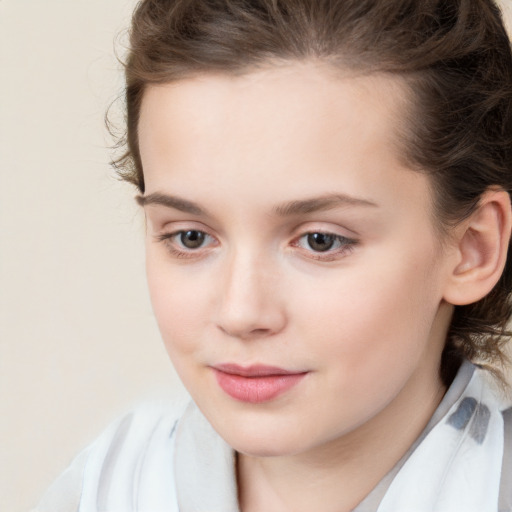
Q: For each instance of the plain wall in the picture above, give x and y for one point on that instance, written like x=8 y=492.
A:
x=78 y=341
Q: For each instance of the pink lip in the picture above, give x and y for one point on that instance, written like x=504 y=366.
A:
x=257 y=383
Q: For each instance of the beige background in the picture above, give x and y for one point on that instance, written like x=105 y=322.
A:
x=78 y=342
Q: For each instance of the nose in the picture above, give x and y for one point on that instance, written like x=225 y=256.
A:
x=251 y=305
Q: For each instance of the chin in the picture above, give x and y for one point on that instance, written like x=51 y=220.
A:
x=265 y=442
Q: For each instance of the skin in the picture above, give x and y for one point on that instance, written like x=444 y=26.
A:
x=366 y=319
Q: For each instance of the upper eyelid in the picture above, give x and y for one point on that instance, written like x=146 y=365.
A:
x=324 y=232
x=181 y=226
x=307 y=226
x=350 y=238
x=326 y=227
x=328 y=233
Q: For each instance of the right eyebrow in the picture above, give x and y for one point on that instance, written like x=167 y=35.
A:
x=168 y=201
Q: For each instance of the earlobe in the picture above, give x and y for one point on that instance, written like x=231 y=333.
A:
x=482 y=247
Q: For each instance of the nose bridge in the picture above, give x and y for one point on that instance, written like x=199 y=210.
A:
x=249 y=299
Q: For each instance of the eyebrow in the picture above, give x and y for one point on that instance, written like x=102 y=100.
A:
x=297 y=207
x=177 y=203
x=322 y=203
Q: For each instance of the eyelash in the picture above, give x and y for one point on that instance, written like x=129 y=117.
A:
x=346 y=245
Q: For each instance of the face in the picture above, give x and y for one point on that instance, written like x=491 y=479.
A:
x=293 y=265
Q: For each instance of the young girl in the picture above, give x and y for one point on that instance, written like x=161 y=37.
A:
x=326 y=185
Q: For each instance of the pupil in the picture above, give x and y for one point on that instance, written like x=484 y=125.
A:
x=320 y=241
x=192 y=239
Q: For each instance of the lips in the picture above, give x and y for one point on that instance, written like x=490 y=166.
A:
x=256 y=383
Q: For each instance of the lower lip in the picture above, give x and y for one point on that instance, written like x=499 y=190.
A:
x=256 y=390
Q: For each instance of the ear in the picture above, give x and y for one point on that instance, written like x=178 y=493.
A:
x=481 y=250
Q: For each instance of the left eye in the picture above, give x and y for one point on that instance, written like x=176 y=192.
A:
x=323 y=242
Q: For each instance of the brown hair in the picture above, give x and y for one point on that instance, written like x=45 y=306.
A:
x=454 y=55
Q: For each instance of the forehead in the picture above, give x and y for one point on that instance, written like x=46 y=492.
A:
x=302 y=128
x=303 y=100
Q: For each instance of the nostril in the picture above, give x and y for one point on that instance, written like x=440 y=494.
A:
x=245 y=333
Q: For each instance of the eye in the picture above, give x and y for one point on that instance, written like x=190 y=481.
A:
x=192 y=239
x=187 y=243
x=320 y=242
x=325 y=245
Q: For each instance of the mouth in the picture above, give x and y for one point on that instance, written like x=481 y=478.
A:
x=257 y=383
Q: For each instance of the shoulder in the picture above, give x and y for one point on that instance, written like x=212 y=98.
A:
x=105 y=475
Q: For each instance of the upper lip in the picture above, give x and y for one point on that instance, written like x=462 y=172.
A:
x=254 y=370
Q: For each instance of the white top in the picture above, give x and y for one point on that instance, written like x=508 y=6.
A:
x=160 y=459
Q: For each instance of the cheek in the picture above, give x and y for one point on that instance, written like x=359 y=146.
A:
x=178 y=304
x=372 y=318
x=368 y=342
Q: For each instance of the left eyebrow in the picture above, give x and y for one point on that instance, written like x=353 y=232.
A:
x=315 y=204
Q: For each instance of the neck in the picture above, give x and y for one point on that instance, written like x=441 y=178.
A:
x=341 y=473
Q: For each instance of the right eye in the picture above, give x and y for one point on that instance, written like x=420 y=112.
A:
x=192 y=239
x=185 y=242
